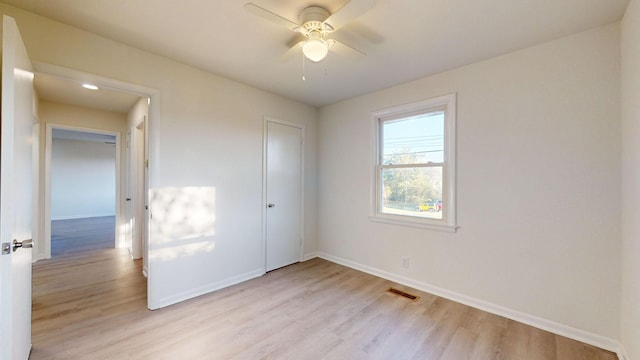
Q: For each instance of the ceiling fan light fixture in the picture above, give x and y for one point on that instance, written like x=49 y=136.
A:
x=315 y=49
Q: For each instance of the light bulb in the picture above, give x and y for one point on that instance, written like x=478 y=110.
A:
x=315 y=49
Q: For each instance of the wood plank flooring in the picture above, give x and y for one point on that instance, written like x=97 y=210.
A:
x=75 y=235
x=92 y=305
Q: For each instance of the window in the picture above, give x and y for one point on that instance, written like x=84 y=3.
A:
x=415 y=164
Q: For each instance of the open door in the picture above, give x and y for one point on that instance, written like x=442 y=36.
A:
x=145 y=197
x=137 y=185
x=15 y=195
x=128 y=212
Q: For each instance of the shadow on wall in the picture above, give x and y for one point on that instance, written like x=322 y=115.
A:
x=183 y=223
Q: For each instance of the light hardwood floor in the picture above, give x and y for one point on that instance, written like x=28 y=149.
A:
x=92 y=305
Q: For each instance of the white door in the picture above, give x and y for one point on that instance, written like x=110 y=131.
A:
x=128 y=215
x=283 y=194
x=15 y=194
x=145 y=196
x=128 y=236
x=140 y=169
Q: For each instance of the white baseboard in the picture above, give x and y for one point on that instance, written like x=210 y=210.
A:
x=35 y=257
x=309 y=256
x=535 y=321
x=174 y=299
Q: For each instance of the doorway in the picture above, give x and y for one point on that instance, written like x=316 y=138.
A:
x=284 y=202
x=83 y=189
x=84 y=185
x=68 y=103
x=111 y=110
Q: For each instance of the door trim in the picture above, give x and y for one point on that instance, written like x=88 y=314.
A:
x=46 y=239
x=263 y=205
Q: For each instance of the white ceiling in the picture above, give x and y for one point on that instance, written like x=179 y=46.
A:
x=404 y=39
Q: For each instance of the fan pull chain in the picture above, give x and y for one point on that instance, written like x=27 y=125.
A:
x=303 y=69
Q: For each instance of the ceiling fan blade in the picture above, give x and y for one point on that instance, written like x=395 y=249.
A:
x=268 y=15
x=349 y=11
x=346 y=50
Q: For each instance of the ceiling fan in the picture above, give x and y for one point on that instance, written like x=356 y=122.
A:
x=315 y=25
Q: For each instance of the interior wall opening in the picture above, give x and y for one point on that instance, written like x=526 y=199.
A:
x=102 y=203
x=83 y=191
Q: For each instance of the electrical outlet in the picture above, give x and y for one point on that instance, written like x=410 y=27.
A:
x=405 y=262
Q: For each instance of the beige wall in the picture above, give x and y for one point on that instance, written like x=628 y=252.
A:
x=206 y=135
x=83 y=179
x=69 y=115
x=630 y=317
x=538 y=165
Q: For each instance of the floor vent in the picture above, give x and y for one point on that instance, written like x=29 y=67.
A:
x=403 y=294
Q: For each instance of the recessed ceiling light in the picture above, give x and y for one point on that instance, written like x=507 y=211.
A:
x=89 y=86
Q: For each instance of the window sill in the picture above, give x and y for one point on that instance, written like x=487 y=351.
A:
x=413 y=223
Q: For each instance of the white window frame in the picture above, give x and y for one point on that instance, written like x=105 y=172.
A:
x=446 y=103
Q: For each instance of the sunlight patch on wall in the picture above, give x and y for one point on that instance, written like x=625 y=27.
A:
x=122 y=241
x=183 y=221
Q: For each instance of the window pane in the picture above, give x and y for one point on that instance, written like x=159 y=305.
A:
x=414 y=139
x=412 y=191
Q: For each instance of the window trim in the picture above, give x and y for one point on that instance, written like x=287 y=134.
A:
x=448 y=221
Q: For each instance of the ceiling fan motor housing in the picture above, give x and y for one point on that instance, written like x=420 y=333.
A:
x=312 y=20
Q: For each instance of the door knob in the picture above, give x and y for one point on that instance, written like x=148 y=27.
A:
x=270 y=205
x=22 y=244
